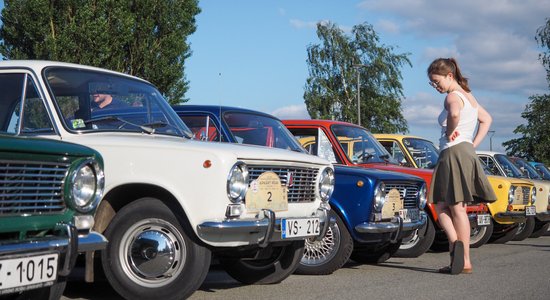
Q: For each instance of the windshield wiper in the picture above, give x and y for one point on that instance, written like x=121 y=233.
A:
x=145 y=128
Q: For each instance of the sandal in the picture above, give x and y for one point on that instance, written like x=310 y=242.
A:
x=457 y=258
x=467 y=271
x=445 y=270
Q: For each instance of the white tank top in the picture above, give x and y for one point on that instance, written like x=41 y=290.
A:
x=466 y=125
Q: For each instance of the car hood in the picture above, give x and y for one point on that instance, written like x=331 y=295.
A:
x=374 y=173
x=157 y=142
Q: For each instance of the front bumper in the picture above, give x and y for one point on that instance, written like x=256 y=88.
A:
x=261 y=231
x=68 y=243
x=396 y=225
x=511 y=216
x=543 y=216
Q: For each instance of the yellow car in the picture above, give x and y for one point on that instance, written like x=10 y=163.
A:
x=513 y=194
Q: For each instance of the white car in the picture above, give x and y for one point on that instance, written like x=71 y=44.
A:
x=170 y=201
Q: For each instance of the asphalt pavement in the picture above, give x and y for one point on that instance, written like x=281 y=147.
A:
x=515 y=270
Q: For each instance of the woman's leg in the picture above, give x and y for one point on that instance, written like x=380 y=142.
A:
x=446 y=222
x=462 y=227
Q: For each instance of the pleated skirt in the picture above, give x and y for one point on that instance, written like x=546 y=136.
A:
x=459 y=177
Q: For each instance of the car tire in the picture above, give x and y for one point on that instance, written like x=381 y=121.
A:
x=419 y=242
x=480 y=235
x=329 y=254
x=525 y=229
x=375 y=255
x=540 y=229
x=502 y=236
x=135 y=264
x=280 y=263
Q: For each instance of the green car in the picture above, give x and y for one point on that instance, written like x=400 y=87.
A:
x=49 y=191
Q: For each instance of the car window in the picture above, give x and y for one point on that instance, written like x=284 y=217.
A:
x=33 y=117
x=396 y=152
x=316 y=142
x=203 y=126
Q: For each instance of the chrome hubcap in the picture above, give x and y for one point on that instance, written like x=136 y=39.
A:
x=152 y=252
x=477 y=233
x=319 y=252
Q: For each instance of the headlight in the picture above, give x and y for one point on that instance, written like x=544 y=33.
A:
x=511 y=194
x=379 y=196
x=326 y=184
x=237 y=182
x=533 y=195
x=86 y=186
x=422 y=197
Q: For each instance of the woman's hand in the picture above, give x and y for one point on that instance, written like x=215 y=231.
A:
x=453 y=136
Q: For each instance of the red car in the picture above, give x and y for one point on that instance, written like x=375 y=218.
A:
x=354 y=145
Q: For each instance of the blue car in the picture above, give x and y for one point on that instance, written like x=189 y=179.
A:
x=372 y=210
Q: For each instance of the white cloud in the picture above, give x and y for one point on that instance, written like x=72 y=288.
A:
x=292 y=112
x=388 y=26
x=299 y=24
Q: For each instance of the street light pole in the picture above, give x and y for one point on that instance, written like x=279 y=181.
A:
x=357 y=66
x=492 y=132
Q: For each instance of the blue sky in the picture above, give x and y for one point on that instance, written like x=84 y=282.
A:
x=253 y=54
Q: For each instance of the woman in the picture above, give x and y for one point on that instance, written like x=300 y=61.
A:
x=458 y=176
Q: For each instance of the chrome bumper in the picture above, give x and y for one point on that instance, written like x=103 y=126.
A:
x=543 y=216
x=265 y=226
x=511 y=216
x=396 y=225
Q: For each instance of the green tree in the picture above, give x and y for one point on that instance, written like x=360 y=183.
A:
x=331 y=88
x=145 y=38
x=534 y=143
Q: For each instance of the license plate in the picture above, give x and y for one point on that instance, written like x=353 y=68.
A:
x=483 y=220
x=22 y=273
x=530 y=211
x=293 y=228
x=409 y=215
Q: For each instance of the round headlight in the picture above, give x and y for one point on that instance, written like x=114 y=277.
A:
x=511 y=194
x=87 y=183
x=237 y=182
x=533 y=195
x=326 y=184
x=422 y=196
x=379 y=196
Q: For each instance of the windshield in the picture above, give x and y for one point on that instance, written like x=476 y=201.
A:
x=91 y=101
x=508 y=166
x=424 y=153
x=527 y=168
x=360 y=146
x=543 y=171
x=261 y=130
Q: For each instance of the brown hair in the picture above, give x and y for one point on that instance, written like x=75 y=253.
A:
x=444 y=66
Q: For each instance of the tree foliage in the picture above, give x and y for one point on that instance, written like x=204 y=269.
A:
x=331 y=88
x=534 y=144
x=145 y=38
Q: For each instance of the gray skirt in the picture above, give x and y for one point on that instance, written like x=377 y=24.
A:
x=459 y=177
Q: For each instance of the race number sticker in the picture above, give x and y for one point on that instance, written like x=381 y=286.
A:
x=267 y=192
x=393 y=204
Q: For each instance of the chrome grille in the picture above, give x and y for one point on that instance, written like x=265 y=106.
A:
x=31 y=187
x=302 y=187
x=407 y=191
x=526 y=194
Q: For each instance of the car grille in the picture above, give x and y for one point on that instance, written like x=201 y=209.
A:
x=302 y=187
x=526 y=194
x=407 y=191
x=31 y=187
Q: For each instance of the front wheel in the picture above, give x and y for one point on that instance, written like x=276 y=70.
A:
x=375 y=255
x=329 y=254
x=277 y=265
x=525 y=229
x=419 y=242
x=150 y=256
x=540 y=229
x=480 y=235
